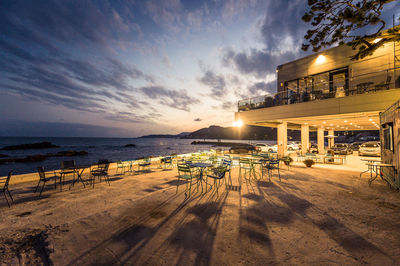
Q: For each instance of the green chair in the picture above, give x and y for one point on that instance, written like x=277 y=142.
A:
x=218 y=174
x=120 y=165
x=247 y=167
x=144 y=164
x=4 y=181
x=269 y=166
x=185 y=172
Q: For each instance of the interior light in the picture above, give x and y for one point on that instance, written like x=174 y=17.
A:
x=351 y=123
x=331 y=124
x=324 y=122
x=321 y=59
x=345 y=121
x=370 y=119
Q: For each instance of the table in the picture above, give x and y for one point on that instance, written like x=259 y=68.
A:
x=201 y=167
x=371 y=160
x=377 y=167
x=79 y=169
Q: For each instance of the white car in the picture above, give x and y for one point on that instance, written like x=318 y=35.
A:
x=293 y=146
x=263 y=147
x=371 y=148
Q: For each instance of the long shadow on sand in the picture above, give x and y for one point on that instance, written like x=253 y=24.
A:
x=133 y=238
x=337 y=231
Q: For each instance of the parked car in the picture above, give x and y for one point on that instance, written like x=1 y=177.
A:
x=292 y=146
x=370 y=148
x=342 y=148
x=263 y=147
x=243 y=148
x=356 y=145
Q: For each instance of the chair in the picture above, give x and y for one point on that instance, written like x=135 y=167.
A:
x=101 y=170
x=145 y=163
x=218 y=174
x=44 y=179
x=246 y=165
x=273 y=164
x=120 y=165
x=166 y=162
x=185 y=172
x=384 y=85
x=4 y=181
x=228 y=164
x=67 y=167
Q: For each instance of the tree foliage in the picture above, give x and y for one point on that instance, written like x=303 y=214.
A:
x=339 y=22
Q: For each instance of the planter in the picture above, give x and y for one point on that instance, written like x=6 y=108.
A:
x=309 y=162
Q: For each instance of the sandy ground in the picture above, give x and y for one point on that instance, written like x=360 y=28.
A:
x=313 y=216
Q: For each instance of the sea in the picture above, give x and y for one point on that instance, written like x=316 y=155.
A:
x=112 y=149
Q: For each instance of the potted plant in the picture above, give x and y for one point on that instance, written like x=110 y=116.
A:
x=309 y=162
x=287 y=160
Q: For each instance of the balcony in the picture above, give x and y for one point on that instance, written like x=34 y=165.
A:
x=365 y=84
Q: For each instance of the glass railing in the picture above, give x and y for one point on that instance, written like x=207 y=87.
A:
x=370 y=83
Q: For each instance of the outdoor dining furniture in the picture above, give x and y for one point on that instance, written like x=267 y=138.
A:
x=144 y=164
x=100 y=170
x=4 y=181
x=333 y=158
x=218 y=174
x=67 y=168
x=363 y=87
x=200 y=170
x=185 y=172
x=121 y=165
x=384 y=85
x=166 y=162
x=376 y=168
x=368 y=162
x=269 y=166
x=43 y=179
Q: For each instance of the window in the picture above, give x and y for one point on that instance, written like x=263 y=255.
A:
x=388 y=136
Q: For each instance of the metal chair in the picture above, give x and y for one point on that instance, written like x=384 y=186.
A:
x=273 y=164
x=143 y=164
x=4 y=181
x=101 y=170
x=67 y=168
x=185 y=172
x=219 y=174
x=247 y=167
x=120 y=165
x=44 y=179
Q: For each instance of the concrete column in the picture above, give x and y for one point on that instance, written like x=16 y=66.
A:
x=282 y=138
x=320 y=140
x=331 y=141
x=305 y=138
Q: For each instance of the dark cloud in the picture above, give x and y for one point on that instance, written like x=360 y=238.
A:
x=262 y=87
x=131 y=117
x=281 y=32
x=50 y=129
x=197 y=120
x=175 y=99
x=229 y=106
x=215 y=82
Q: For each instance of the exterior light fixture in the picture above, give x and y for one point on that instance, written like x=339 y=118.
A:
x=351 y=123
x=377 y=40
x=320 y=59
x=305 y=123
x=237 y=123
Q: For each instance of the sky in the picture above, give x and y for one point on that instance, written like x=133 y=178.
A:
x=130 y=68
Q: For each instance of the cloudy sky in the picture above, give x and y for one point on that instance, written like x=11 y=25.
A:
x=128 y=68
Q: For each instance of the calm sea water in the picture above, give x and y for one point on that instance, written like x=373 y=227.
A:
x=98 y=148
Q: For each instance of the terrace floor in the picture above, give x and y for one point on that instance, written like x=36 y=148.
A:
x=313 y=216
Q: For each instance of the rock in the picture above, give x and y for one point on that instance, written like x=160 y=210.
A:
x=130 y=145
x=40 y=145
x=70 y=153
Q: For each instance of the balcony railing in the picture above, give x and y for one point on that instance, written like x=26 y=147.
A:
x=361 y=85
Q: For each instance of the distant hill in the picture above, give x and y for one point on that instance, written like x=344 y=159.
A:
x=180 y=135
x=217 y=132
x=259 y=133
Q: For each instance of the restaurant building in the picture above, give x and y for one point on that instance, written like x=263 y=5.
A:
x=327 y=91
